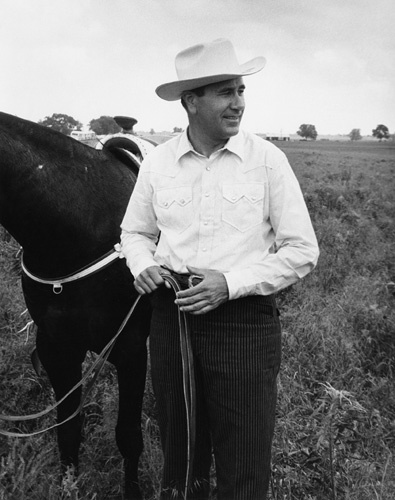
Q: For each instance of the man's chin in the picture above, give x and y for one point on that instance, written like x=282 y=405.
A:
x=232 y=128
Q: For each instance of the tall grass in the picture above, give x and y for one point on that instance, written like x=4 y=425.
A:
x=335 y=429
x=335 y=434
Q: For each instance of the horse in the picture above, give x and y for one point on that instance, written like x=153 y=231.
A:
x=63 y=202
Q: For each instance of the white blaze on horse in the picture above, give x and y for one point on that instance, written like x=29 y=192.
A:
x=63 y=201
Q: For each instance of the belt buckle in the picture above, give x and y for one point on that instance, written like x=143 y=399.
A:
x=192 y=277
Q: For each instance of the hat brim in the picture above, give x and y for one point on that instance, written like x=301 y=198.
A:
x=172 y=91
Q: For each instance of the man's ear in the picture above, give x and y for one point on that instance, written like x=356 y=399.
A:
x=190 y=101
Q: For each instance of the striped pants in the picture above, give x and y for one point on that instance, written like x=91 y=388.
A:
x=237 y=354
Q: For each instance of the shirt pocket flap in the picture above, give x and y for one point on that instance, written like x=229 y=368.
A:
x=235 y=192
x=182 y=196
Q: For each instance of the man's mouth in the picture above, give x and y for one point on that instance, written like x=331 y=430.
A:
x=233 y=118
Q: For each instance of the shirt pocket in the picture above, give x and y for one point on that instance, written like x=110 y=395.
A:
x=174 y=207
x=242 y=205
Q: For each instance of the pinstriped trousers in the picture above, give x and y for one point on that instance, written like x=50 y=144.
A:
x=237 y=355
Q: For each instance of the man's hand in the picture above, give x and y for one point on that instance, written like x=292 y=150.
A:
x=207 y=295
x=150 y=279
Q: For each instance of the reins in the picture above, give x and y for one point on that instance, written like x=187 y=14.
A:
x=94 y=370
x=96 y=367
x=188 y=379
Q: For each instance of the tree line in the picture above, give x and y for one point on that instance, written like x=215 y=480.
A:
x=308 y=131
x=67 y=124
x=107 y=125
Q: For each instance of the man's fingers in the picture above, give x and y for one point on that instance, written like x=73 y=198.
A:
x=148 y=280
x=143 y=287
x=196 y=307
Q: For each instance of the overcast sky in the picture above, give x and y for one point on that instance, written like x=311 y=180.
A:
x=329 y=62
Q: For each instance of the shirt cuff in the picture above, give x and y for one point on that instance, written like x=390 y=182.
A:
x=138 y=268
x=236 y=288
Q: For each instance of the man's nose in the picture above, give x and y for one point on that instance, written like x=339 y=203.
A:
x=238 y=102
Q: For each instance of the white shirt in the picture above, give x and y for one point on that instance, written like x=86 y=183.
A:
x=240 y=212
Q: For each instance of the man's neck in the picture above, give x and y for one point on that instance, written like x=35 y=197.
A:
x=203 y=144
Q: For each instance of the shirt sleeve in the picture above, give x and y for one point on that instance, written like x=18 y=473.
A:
x=140 y=233
x=295 y=250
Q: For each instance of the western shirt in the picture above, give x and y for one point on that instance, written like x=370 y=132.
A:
x=240 y=211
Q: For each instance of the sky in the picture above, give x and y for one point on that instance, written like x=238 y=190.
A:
x=330 y=63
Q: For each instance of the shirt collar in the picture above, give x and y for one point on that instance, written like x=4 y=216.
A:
x=184 y=146
x=234 y=145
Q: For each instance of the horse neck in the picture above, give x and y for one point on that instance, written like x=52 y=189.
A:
x=63 y=226
x=61 y=200
x=56 y=249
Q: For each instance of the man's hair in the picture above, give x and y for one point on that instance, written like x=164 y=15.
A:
x=199 y=92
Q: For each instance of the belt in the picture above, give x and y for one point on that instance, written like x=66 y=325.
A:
x=186 y=280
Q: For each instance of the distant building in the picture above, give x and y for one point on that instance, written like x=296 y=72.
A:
x=277 y=137
x=82 y=136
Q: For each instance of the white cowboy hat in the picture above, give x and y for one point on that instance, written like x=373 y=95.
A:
x=207 y=63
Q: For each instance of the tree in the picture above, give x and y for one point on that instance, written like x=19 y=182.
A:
x=62 y=123
x=104 y=125
x=355 y=134
x=307 y=131
x=381 y=132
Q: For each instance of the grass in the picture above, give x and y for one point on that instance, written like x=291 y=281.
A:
x=335 y=435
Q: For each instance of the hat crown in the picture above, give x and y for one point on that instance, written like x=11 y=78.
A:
x=206 y=59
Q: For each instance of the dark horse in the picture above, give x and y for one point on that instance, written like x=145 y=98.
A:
x=63 y=202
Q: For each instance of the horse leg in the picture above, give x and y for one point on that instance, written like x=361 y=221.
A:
x=131 y=366
x=64 y=371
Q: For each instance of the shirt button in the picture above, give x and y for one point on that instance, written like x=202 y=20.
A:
x=204 y=249
x=165 y=203
x=233 y=198
x=208 y=168
x=205 y=223
x=182 y=202
x=206 y=195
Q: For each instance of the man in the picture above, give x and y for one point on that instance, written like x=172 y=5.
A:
x=224 y=205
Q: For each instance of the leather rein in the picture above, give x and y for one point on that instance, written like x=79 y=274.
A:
x=90 y=376
x=94 y=371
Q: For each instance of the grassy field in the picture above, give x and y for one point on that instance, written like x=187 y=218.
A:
x=335 y=436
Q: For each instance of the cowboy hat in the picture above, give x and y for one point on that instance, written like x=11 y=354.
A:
x=204 y=64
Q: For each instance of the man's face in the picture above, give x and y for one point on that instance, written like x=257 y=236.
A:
x=220 y=109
